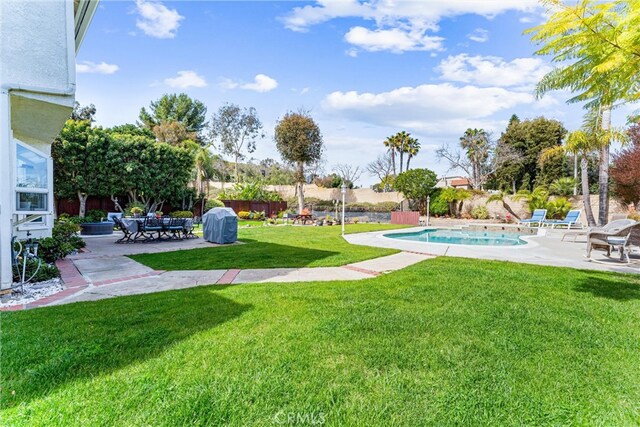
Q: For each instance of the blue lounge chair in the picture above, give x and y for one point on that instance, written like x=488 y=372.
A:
x=571 y=220
x=537 y=218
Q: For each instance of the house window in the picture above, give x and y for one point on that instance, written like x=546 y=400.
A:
x=33 y=172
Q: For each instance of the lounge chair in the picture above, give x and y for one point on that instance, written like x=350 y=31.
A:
x=537 y=217
x=612 y=227
x=571 y=220
x=598 y=239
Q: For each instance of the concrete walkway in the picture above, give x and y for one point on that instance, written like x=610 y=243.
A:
x=103 y=271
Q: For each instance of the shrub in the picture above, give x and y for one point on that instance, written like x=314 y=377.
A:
x=438 y=205
x=250 y=190
x=634 y=216
x=182 y=214
x=213 y=203
x=134 y=207
x=480 y=212
x=51 y=249
x=243 y=215
x=558 y=208
x=95 y=215
x=45 y=272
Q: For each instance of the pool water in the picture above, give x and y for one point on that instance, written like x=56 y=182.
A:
x=462 y=237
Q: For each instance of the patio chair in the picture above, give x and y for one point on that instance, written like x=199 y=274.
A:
x=571 y=220
x=129 y=234
x=599 y=239
x=611 y=227
x=176 y=228
x=149 y=227
x=537 y=217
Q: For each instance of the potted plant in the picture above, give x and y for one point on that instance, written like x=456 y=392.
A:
x=136 y=211
x=159 y=214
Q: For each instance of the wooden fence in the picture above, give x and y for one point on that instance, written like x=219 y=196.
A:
x=269 y=208
x=410 y=217
x=72 y=206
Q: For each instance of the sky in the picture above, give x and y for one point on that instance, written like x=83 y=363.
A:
x=364 y=70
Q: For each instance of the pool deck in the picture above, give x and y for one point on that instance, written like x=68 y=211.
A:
x=546 y=248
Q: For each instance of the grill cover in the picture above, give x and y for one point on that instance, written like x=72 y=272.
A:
x=220 y=225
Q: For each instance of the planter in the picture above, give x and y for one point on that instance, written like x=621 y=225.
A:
x=96 y=228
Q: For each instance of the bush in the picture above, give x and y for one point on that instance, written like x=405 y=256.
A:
x=438 y=205
x=480 y=212
x=95 y=215
x=63 y=241
x=213 y=203
x=45 y=272
x=558 y=208
x=243 y=215
x=134 y=207
x=182 y=214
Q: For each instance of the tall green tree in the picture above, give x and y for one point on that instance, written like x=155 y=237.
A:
x=179 y=108
x=525 y=140
x=299 y=141
x=417 y=185
x=237 y=130
x=79 y=154
x=595 y=45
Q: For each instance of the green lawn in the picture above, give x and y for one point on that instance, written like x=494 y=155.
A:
x=273 y=247
x=445 y=342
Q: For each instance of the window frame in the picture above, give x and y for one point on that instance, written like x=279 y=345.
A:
x=47 y=191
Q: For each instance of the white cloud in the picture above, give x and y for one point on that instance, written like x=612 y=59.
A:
x=92 y=67
x=186 y=79
x=394 y=40
x=429 y=107
x=526 y=20
x=492 y=70
x=479 y=35
x=156 y=20
x=261 y=83
x=398 y=25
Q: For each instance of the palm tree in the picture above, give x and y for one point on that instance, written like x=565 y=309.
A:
x=476 y=144
x=589 y=139
x=413 y=147
x=391 y=144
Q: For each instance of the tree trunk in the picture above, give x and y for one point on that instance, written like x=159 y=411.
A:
x=408 y=161
x=459 y=213
x=82 y=197
x=586 y=199
x=506 y=206
x=300 y=185
x=513 y=186
x=401 y=160
x=393 y=161
x=236 y=168
x=116 y=204
x=603 y=175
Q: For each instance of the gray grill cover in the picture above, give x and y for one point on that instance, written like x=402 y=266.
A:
x=220 y=225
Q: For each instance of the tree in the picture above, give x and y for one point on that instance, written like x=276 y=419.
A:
x=173 y=132
x=382 y=167
x=476 y=159
x=79 y=154
x=416 y=185
x=562 y=187
x=392 y=145
x=299 y=141
x=596 y=47
x=234 y=127
x=83 y=113
x=400 y=144
x=348 y=174
x=180 y=108
x=411 y=148
x=524 y=141
x=625 y=170
x=455 y=198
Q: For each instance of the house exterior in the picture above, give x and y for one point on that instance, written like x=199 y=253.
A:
x=38 y=44
x=454 y=182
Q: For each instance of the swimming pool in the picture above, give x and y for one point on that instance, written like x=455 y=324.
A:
x=462 y=237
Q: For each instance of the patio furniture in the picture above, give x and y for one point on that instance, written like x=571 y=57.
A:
x=176 y=226
x=616 y=217
x=537 y=217
x=128 y=230
x=608 y=228
x=303 y=218
x=149 y=226
x=599 y=239
x=220 y=225
x=571 y=220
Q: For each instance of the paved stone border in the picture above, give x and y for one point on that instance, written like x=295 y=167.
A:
x=76 y=284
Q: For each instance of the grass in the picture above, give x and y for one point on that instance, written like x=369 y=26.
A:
x=444 y=342
x=273 y=247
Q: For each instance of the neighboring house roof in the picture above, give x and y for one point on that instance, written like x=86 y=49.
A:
x=459 y=182
x=83 y=11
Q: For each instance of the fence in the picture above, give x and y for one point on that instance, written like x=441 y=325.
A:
x=269 y=208
x=410 y=218
x=72 y=206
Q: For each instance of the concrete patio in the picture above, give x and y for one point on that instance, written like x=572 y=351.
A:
x=547 y=248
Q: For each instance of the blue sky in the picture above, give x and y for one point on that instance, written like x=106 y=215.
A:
x=364 y=70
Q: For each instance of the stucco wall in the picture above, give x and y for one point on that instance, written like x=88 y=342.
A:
x=361 y=195
x=34 y=41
